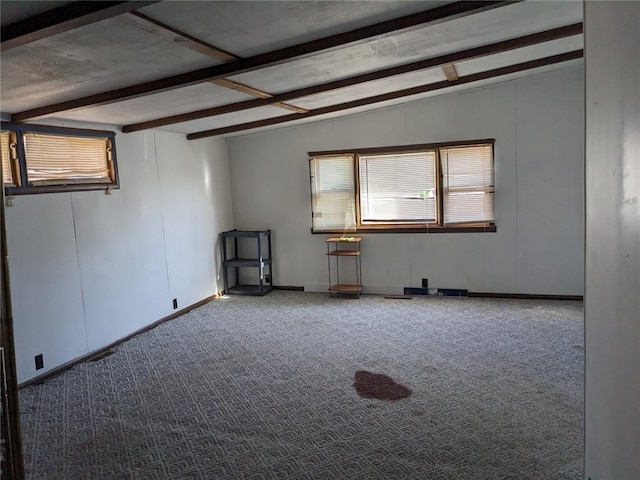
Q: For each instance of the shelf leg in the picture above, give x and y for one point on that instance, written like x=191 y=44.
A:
x=225 y=273
x=329 y=267
x=359 y=269
x=270 y=262
x=261 y=272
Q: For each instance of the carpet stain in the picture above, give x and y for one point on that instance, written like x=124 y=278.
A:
x=379 y=386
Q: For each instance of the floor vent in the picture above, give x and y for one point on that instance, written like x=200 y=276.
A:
x=416 y=291
x=443 y=292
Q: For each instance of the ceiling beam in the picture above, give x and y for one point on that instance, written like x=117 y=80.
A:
x=60 y=20
x=255 y=92
x=434 y=16
x=450 y=72
x=477 y=52
x=520 y=67
x=152 y=25
x=241 y=87
x=288 y=106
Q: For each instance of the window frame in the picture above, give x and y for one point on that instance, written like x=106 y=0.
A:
x=22 y=186
x=12 y=161
x=436 y=227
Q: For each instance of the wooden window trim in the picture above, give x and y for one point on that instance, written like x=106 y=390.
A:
x=439 y=190
x=490 y=228
x=12 y=159
x=402 y=148
x=52 y=129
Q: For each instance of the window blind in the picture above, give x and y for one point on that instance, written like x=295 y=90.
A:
x=7 y=177
x=468 y=184
x=59 y=159
x=333 y=192
x=398 y=188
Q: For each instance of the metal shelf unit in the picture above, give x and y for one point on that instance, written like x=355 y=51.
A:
x=344 y=247
x=261 y=262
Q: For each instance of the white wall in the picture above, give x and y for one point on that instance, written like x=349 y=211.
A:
x=538 y=124
x=88 y=269
x=612 y=291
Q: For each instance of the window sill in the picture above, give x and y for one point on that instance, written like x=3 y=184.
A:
x=432 y=229
x=71 y=187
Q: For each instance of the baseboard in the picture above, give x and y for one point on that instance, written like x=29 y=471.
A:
x=316 y=287
x=382 y=290
x=94 y=353
x=285 y=287
x=525 y=296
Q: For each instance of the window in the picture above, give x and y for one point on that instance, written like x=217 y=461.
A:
x=398 y=188
x=467 y=178
x=436 y=187
x=40 y=159
x=334 y=198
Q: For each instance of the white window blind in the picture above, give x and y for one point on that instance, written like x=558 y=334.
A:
x=7 y=177
x=333 y=192
x=468 y=184
x=60 y=159
x=398 y=188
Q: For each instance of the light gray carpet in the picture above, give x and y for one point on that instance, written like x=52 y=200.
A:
x=262 y=387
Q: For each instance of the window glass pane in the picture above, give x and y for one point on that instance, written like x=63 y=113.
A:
x=6 y=158
x=468 y=183
x=333 y=193
x=61 y=159
x=398 y=188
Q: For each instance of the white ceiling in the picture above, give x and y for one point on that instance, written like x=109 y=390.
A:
x=115 y=53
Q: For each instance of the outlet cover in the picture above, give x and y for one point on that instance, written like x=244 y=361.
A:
x=39 y=362
x=175 y=303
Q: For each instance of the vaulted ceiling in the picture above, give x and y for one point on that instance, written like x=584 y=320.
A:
x=207 y=68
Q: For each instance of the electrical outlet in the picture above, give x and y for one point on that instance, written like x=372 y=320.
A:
x=175 y=303
x=267 y=278
x=425 y=283
x=39 y=362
